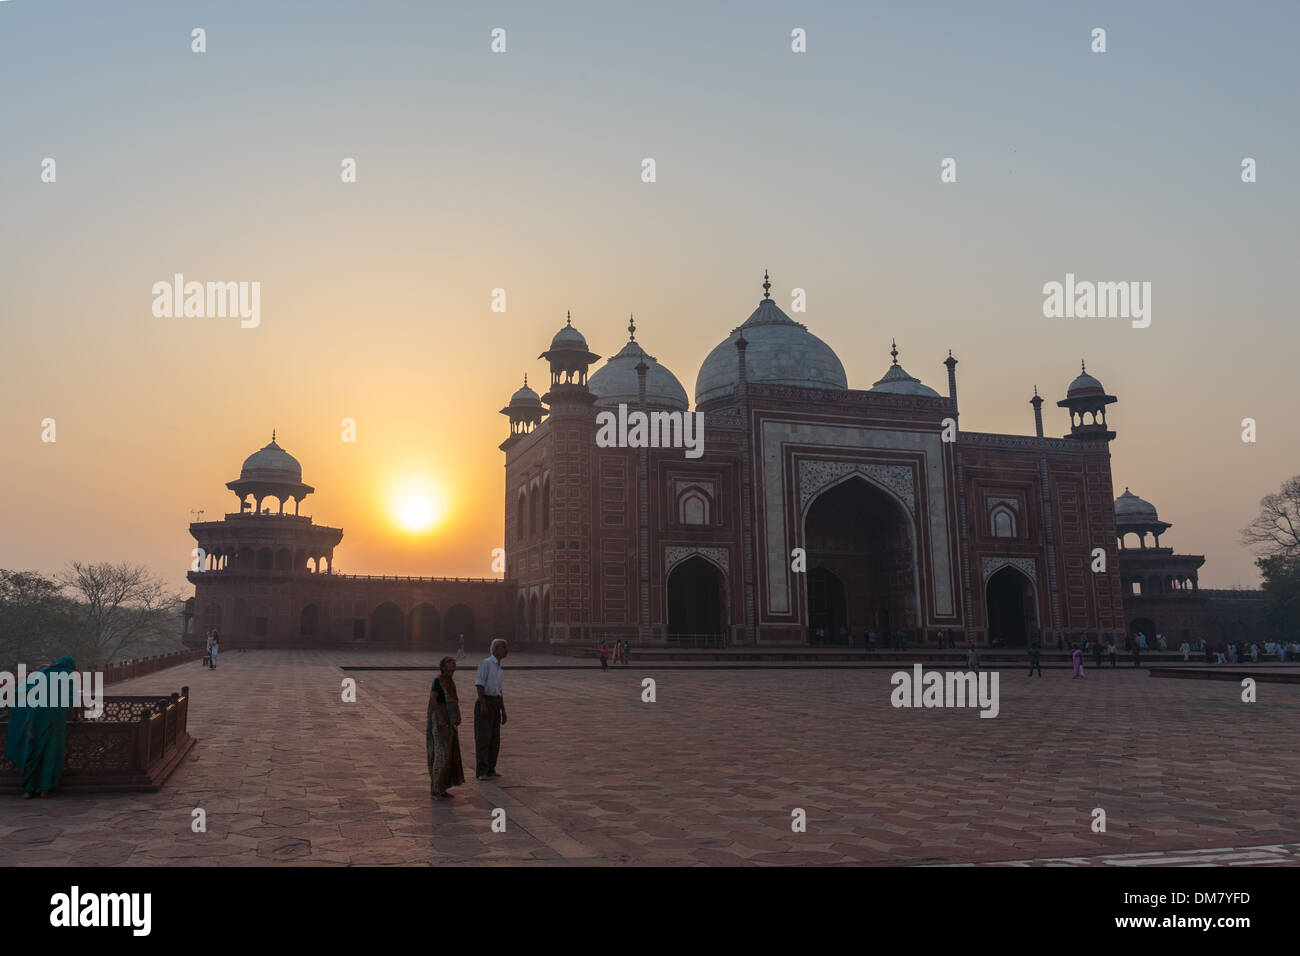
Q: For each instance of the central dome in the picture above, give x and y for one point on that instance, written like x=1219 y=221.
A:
x=780 y=352
x=616 y=381
x=271 y=463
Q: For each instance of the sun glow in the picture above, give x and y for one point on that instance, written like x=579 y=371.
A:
x=417 y=507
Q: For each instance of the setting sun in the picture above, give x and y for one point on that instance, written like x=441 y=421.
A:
x=417 y=508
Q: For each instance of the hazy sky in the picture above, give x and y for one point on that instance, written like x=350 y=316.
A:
x=522 y=171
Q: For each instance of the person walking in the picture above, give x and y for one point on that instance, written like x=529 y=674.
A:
x=973 y=659
x=1034 y=664
x=604 y=655
x=1137 y=654
x=212 y=651
x=460 y=646
x=1096 y=654
x=627 y=653
x=489 y=711
x=207 y=650
x=441 y=736
x=1113 y=651
x=1076 y=656
x=1254 y=652
x=1186 y=649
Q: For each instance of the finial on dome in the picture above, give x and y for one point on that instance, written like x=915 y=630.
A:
x=525 y=379
x=272 y=434
x=894 y=350
x=1083 y=366
x=1035 y=390
x=767 y=284
x=631 y=328
x=568 y=318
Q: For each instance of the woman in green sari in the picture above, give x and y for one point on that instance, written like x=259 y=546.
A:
x=441 y=738
x=37 y=735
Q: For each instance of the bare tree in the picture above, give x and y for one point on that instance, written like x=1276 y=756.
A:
x=119 y=605
x=36 y=619
x=1275 y=532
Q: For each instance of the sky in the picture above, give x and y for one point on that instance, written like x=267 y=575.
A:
x=522 y=171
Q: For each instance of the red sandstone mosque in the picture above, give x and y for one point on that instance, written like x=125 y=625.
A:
x=815 y=513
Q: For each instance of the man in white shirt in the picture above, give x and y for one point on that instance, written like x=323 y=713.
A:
x=489 y=711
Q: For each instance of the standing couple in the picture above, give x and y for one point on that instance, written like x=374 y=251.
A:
x=442 y=740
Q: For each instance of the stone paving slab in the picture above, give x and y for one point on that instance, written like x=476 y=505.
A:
x=707 y=775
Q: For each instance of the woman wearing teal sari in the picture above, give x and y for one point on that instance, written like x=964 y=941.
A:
x=37 y=735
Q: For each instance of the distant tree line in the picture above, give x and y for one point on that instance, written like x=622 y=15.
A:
x=1275 y=534
x=98 y=614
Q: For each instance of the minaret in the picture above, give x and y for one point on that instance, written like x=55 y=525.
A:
x=642 y=503
x=1037 y=402
x=952 y=379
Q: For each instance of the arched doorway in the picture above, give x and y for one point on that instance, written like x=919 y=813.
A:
x=387 y=623
x=826 y=615
x=459 y=620
x=422 y=627
x=695 y=602
x=1009 y=603
x=860 y=550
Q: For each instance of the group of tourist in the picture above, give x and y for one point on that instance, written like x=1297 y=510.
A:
x=622 y=652
x=896 y=641
x=441 y=734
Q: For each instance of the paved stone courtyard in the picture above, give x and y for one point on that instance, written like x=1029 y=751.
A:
x=708 y=774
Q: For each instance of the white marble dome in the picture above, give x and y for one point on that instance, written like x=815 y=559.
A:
x=896 y=381
x=525 y=397
x=781 y=351
x=1129 y=507
x=1083 y=386
x=271 y=463
x=616 y=382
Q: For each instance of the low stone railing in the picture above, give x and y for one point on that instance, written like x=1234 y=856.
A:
x=147 y=665
x=133 y=745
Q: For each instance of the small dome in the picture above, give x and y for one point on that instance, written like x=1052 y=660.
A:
x=271 y=463
x=897 y=382
x=1129 y=507
x=616 y=381
x=1085 y=385
x=780 y=351
x=525 y=397
x=569 y=337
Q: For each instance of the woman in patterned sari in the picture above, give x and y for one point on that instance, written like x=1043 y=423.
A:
x=441 y=738
x=37 y=735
